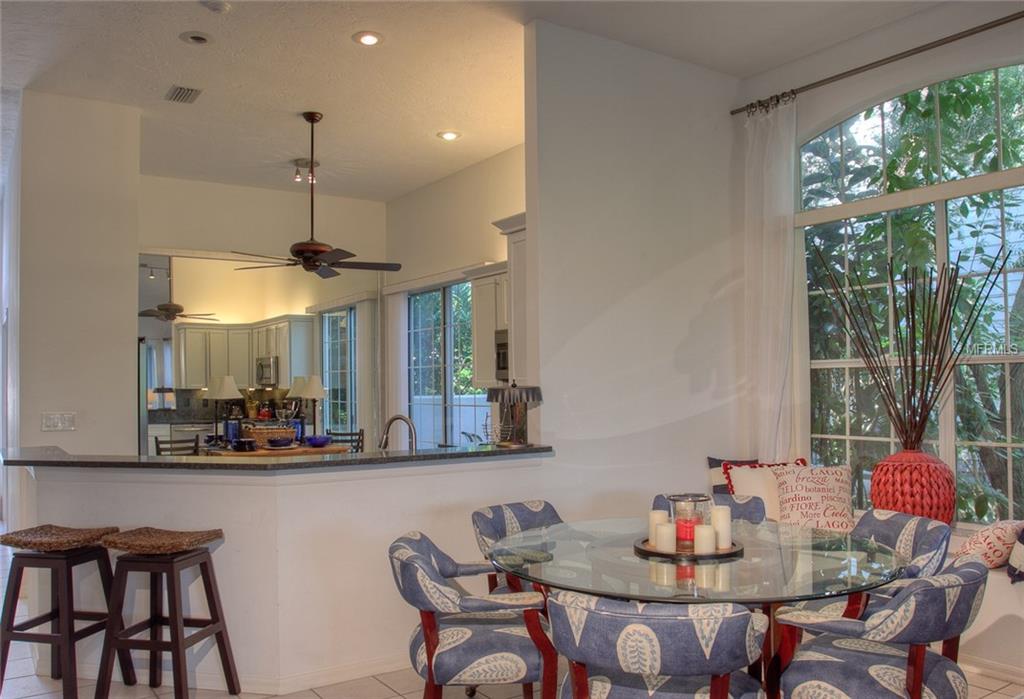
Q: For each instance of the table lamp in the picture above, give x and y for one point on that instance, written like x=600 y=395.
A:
x=221 y=388
x=513 y=402
x=313 y=389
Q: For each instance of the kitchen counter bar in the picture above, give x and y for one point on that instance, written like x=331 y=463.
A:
x=57 y=457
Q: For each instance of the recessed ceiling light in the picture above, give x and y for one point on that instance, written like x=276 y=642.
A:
x=449 y=135
x=195 y=38
x=367 y=38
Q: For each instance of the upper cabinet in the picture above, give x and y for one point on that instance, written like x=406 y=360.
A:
x=489 y=315
x=203 y=353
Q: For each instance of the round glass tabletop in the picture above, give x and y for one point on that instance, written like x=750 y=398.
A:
x=779 y=563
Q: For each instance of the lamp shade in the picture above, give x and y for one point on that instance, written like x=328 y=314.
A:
x=313 y=388
x=512 y=395
x=223 y=388
x=298 y=385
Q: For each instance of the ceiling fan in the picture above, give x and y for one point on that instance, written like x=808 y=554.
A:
x=170 y=311
x=313 y=256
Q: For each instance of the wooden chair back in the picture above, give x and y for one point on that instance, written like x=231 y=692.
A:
x=177 y=447
x=354 y=440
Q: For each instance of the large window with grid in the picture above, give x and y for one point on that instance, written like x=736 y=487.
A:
x=958 y=130
x=338 y=330
x=443 y=403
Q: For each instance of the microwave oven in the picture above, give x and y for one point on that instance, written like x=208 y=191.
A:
x=266 y=371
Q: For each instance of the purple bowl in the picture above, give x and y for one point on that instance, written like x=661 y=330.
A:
x=279 y=441
x=318 y=440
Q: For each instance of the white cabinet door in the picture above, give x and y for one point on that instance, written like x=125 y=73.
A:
x=194 y=359
x=240 y=359
x=282 y=349
x=485 y=317
x=501 y=303
x=300 y=349
x=217 y=354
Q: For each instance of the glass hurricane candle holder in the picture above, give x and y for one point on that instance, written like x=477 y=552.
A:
x=689 y=510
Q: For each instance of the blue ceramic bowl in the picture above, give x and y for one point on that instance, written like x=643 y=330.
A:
x=279 y=441
x=318 y=440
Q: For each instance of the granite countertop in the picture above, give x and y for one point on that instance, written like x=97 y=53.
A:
x=57 y=457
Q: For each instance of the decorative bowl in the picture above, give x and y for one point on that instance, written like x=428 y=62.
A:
x=279 y=441
x=318 y=440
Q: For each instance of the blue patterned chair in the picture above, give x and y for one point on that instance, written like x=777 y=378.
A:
x=632 y=650
x=748 y=507
x=466 y=639
x=887 y=653
x=920 y=540
x=498 y=521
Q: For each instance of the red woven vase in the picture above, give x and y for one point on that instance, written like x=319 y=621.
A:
x=914 y=482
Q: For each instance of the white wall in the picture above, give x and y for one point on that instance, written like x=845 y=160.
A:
x=78 y=271
x=638 y=278
x=447 y=224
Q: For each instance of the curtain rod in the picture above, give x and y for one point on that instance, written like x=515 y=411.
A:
x=881 y=62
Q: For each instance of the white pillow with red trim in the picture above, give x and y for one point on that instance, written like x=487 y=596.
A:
x=993 y=543
x=757 y=480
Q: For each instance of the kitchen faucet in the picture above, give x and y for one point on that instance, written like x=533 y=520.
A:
x=387 y=428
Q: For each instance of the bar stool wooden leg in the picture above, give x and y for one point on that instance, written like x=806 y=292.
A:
x=54 y=625
x=176 y=623
x=10 y=610
x=156 y=610
x=124 y=656
x=115 y=623
x=227 y=658
x=64 y=580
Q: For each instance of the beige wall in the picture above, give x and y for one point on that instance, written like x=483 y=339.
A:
x=79 y=272
x=447 y=224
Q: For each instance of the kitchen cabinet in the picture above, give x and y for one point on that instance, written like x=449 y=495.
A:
x=489 y=314
x=216 y=354
x=193 y=364
x=240 y=356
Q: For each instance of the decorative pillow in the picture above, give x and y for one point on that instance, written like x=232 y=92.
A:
x=1015 y=566
x=993 y=543
x=718 y=484
x=819 y=497
x=756 y=479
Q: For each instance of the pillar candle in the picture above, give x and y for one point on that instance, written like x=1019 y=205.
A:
x=703 y=539
x=654 y=518
x=665 y=537
x=721 y=520
x=662 y=574
x=723 y=577
x=706 y=576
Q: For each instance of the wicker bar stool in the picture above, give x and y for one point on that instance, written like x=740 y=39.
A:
x=59 y=550
x=164 y=554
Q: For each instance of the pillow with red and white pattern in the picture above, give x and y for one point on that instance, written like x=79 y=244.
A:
x=993 y=543
x=1015 y=566
x=756 y=479
x=728 y=466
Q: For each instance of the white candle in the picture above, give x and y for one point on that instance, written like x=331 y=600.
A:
x=723 y=577
x=721 y=520
x=654 y=518
x=703 y=539
x=665 y=537
x=662 y=574
x=706 y=576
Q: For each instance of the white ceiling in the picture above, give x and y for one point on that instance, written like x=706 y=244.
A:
x=442 y=65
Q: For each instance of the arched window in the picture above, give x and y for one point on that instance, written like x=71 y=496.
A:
x=927 y=177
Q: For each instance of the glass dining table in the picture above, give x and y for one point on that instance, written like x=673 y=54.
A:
x=779 y=564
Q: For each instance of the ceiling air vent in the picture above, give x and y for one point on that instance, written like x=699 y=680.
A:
x=182 y=95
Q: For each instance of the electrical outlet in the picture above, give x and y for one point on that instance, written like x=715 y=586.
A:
x=59 y=422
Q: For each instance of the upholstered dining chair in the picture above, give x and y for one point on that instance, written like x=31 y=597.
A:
x=747 y=507
x=498 y=521
x=888 y=651
x=921 y=541
x=632 y=650
x=469 y=640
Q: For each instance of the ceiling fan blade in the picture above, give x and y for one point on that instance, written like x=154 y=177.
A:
x=199 y=316
x=325 y=272
x=268 y=257
x=290 y=264
x=377 y=266
x=150 y=313
x=335 y=255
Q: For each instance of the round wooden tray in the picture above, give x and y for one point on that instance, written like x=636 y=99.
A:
x=644 y=550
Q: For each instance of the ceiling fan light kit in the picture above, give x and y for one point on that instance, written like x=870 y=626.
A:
x=313 y=256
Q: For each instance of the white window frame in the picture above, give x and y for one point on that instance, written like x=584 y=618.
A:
x=350 y=372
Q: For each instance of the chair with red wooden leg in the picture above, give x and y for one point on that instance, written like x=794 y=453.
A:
x=887 y=653
x=162 y=556
x=469 y=640
x=630 y=650
x=59 y=550
x=495 y=522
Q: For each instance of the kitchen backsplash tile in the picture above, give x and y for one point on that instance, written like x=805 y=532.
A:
x=193 y=406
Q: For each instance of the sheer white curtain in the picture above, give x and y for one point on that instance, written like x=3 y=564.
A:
x=771 y=255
